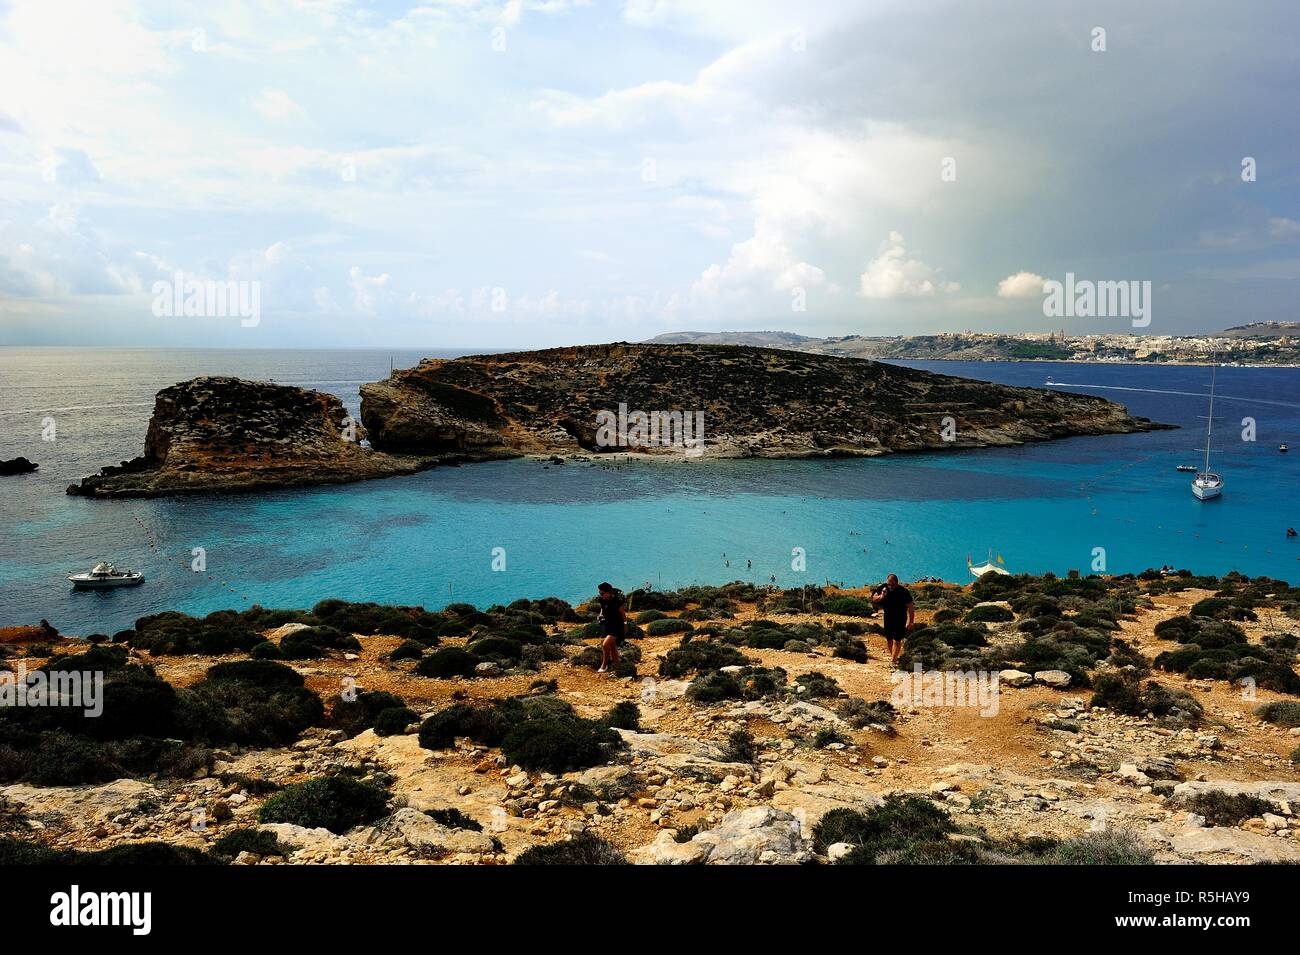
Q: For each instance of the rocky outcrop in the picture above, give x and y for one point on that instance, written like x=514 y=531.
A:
x=227 y=434
x=753 y=402
x=17 y=466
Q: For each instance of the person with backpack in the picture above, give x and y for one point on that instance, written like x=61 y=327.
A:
x=613 y=621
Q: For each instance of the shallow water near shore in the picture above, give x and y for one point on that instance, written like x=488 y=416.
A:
x=429 y=538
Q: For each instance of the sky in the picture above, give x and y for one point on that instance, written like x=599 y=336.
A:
x=472 y=174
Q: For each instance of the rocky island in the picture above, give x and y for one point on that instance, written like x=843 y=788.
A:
x=754 y=402
x=227 y=434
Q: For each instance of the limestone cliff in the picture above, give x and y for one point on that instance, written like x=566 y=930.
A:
x=227 y=434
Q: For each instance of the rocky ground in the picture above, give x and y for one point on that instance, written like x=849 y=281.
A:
x=1047 y=764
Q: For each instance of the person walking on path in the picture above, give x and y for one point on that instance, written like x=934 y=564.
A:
x=613 y=621
x=900 y=614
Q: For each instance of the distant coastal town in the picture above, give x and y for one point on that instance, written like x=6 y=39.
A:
x=1260 y=343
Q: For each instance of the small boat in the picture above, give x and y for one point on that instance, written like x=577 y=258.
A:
x=1186 y=467
x=1207 y=485
x=104 y=575
x=1283 y=447
x=979 y=570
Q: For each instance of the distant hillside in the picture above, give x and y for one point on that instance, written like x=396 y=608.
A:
x=1262 y=330
x=753 y=339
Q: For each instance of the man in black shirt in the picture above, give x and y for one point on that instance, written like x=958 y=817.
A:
x=900 y=614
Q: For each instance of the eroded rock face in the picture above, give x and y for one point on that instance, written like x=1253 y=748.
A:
x=755 y=402
x=227 y=434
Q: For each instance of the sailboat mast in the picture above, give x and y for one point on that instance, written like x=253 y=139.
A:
x=1209 y=421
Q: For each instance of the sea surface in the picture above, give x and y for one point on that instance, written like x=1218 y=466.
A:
x=431 y=538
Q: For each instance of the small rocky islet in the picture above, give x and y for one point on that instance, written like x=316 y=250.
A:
x=226 y=434
x=1140 y=719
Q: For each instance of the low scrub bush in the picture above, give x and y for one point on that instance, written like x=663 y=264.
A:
x=257 y=841
x=559 y=744
x=1280 y=713
x=849 y=607
x=667 y=626
x=697 y=656
x=446 y=663
x=1228 y=809
x=899 y=823
x=989 y=613
x=583 y=850
x=624 y=715
x=336 y=803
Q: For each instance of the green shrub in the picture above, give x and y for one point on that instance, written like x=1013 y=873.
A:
x=501 y=649
x=144 y=853
x=713 y=687
x=650 y=616
x=989 y=613
x=668 y=625
x=583 y=850
x=394 y=720
x=1227 y=809
x=849 y=607
x=486 y=725
x=814 y=685
x=624 y=715
x=336 y=803
x=1108 y=847
x=898 y=823
x=453 y=819
x=858 y=713
x=266 y=650
x=1280 y=713
x=828 y=735
x=1124 y=693
x=360 y=713
x=407 y=650
x=446 y=663
x=697 y=656
x=850 y=648
x=740 y=747
x=248 y=839
x=177 y=633
x=249 y=702
x=266 y=674
x=559 y=744
x=21 y=852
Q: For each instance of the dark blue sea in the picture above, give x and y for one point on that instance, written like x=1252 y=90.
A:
x=429 y=538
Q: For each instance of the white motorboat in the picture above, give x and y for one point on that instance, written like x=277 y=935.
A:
x=104 y=575
x=1186 y=467
x=1208 y=485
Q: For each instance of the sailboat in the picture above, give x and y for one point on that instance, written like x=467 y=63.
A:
x=1207 y=485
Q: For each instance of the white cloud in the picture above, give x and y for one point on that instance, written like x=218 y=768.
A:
x=894 y=274
x=277 y=105
x=1021 y=285
x=1283 y=228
